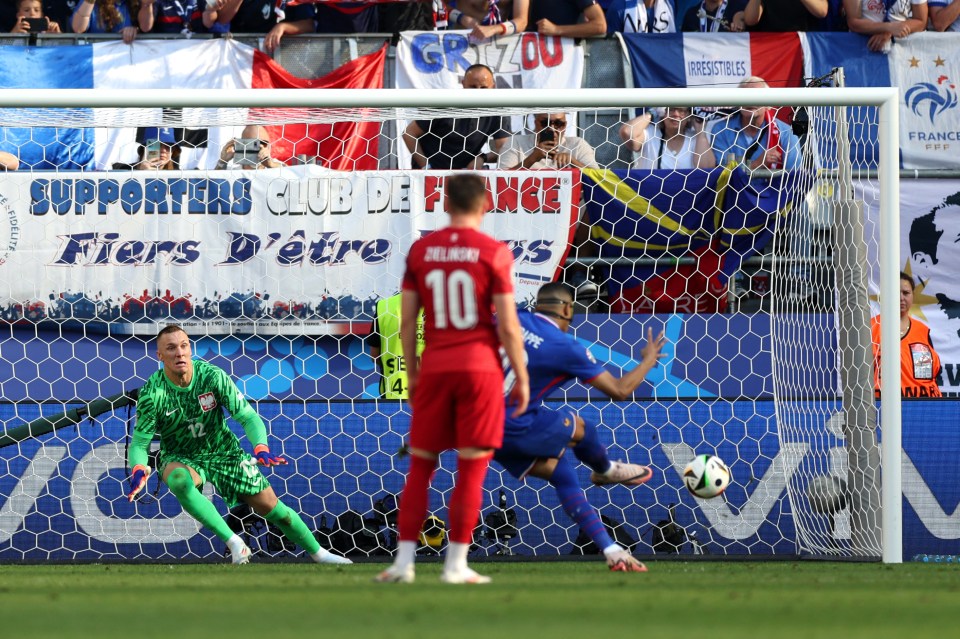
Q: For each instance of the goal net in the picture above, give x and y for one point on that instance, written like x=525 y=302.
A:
x=197 y=208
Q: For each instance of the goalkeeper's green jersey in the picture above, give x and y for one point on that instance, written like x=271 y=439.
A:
x=190 y=420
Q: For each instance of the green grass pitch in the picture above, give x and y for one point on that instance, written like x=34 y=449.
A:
x=536 y=600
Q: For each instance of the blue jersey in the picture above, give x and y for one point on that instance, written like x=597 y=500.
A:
x=553 y=357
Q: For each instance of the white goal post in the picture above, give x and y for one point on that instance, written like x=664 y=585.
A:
x=92 y=108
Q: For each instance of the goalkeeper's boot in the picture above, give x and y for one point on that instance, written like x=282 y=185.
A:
x=326 y=557
x=623 y=561
x=623 y=473
x=241 y=557
x=396 y=575
x=463 y=576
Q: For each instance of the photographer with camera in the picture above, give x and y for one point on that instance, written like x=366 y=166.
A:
x=30 y=19
x=250 y=151
x=548 y=147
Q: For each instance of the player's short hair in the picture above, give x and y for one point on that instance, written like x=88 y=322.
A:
x=170 y=328
x=465 y=192
x=555 y=293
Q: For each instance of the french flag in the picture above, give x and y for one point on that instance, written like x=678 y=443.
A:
x=669 y=60
x=179 y=64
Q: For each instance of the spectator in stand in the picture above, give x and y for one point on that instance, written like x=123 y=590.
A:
x=228 y=154
x=755 y=137
x=346 y=17
x=548 y=147
x=883 y=21
x=836 y=19
x=107 y=16
x=8 y=161
x=785 y=15
x=712 y=16
x=171 y=16
x=32 y=9
x=395 y=17
x=919 y=362
x=256 y=16
x=944 y=14
x=567 y=18
x=159 y=151
x=457 y=143
x=673 y=143
x=641 y=16
x=488 y=18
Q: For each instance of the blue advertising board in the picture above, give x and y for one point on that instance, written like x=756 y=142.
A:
x=62 y=495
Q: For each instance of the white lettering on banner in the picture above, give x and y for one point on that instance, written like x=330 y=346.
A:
x=925 y=504
x=391 y=194
x=25 y=492
x=758 y=505
x=109 y=528
x=315 y=195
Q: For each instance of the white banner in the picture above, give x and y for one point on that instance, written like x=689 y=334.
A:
x=929 y=230
x=926 y=68
x=437 y=60
x=288 y=250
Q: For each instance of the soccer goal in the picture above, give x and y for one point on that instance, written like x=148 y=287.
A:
x=269 y=223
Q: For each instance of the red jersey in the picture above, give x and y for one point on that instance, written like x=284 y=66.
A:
x=456 y=272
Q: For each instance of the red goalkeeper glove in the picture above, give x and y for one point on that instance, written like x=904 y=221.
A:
x=138 y=480
x=266 y=458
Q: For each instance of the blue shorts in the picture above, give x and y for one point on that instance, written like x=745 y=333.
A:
x=540 y=433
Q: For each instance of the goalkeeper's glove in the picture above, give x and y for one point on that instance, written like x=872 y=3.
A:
x=266 y=458
x=138 y=480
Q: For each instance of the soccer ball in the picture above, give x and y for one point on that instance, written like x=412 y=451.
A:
x=827 y=494
x=706 y=476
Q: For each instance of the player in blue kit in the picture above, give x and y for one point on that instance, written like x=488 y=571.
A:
x=534 y=443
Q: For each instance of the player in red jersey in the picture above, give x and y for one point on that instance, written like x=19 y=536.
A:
x=460 y=276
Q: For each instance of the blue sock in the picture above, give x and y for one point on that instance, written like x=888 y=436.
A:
x=575 y=504
x=591 y=451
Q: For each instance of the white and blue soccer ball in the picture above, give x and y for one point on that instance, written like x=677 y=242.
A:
x=706 y=476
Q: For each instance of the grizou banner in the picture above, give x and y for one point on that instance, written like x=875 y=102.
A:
x=290 y=250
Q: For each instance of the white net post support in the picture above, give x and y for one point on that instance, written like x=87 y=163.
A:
x=384 y=105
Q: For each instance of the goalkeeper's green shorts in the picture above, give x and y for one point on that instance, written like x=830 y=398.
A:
x=232 y=473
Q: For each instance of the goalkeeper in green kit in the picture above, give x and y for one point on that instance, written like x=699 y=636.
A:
x=184 y=403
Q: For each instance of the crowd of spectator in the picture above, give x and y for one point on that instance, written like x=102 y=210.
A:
x=675 y=138
x=880 y=19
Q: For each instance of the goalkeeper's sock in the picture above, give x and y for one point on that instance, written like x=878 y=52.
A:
x=293 y=528
x=591 y=451
x=200 y=508
x=414 y=498
x=464 y=511
x=575 y=504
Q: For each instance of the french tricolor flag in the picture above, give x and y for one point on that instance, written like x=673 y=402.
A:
x=668 y=60
x=179 y=64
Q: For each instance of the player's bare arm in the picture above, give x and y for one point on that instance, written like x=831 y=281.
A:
x=511 y=338
x=621 y=388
